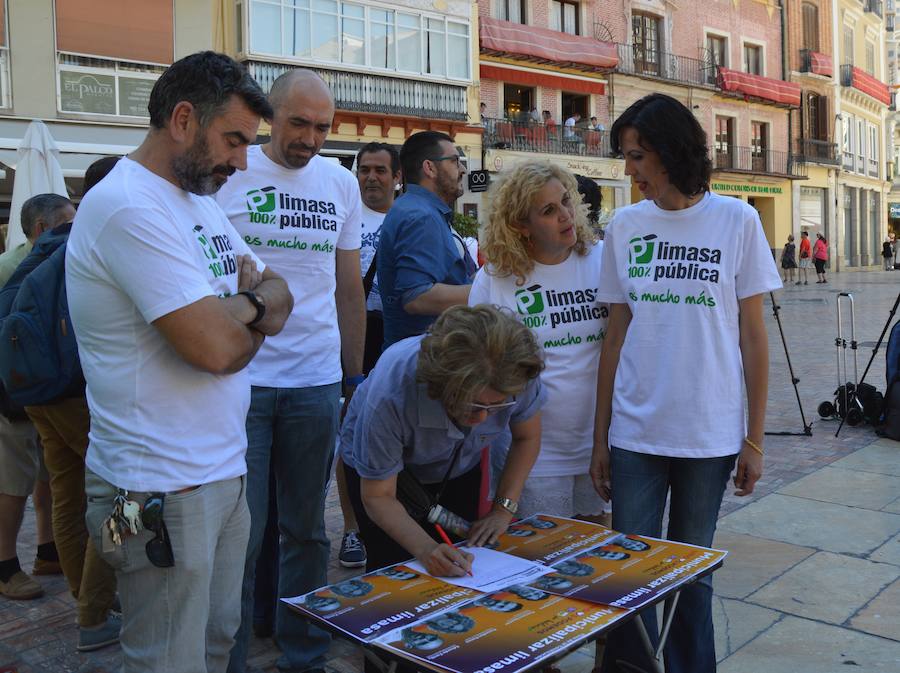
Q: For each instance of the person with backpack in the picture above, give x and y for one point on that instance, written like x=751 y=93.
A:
x=820 y=256
x=54 y=398
x=22 y=469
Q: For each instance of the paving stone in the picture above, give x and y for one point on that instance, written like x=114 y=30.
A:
x=809 y=523
x=737 y=623
x=889 y=552
x=892 y=507
x=796 y=645
x=828 y=587
x=752 y=562
x=853 y=487
x=882 y=616
x=882 y=456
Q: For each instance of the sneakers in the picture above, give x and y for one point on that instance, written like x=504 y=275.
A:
x=353 y=552
x=21 y=587
x=45 y=567
x=92 y=638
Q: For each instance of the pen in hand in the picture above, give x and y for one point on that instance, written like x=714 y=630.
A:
x=446 y=539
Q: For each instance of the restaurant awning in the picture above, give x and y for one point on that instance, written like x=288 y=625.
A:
x=505 y=38
x=535 y=78
x=756 y=86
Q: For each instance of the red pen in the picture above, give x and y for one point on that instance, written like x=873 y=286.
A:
x=446 y=539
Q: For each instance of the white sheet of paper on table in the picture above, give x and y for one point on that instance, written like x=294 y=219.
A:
x=493 y=570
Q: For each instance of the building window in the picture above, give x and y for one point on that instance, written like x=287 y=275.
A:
x=759 y=145
x=724 y=141
x=810 y=26
x=873 y=151
x=815 y=117
x=564 y=16
x=574 y=102
x=753 y=59
x=860 y=146
x=104 y=87
x=870 y=58
x=356 y=34
x=518 y=101
x=645 y=36
x=847 y=142
x=5 y=88
x=511 y=10
x=847 y=56
x=717 y=50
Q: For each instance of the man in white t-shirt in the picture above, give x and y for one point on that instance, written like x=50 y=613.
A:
x=169 y=305
x=570 y=126
x=300 y=213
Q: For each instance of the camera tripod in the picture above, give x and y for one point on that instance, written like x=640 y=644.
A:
x=807 y=427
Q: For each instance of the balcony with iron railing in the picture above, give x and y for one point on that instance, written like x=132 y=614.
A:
x=526 y=136
x=874 y=6
x=816 y=63
x=636 y=59
x=362 y=92
x=817 y=151
x=754 y=160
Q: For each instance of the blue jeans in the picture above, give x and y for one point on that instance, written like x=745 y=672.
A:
x=640 y=483
x=295 y=429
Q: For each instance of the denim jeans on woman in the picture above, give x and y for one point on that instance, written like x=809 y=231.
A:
x=640 y=483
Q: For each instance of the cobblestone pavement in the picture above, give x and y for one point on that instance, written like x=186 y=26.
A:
x=824 y=519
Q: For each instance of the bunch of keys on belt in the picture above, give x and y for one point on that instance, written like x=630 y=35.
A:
x=125 y=518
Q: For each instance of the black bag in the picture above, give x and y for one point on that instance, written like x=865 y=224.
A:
x=891 y=426
x=872 y=403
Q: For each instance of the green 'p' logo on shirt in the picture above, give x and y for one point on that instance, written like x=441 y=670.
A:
x=641 y=251
x=529 y=300
x=261 y=200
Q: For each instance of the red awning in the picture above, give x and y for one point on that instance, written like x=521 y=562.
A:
x=820 y=64
x=757 y=86
x=532 y=78
x=543 y=44
x=871 y=86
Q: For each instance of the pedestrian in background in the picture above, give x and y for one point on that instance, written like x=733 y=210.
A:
x=788 y=260
x=820 y=256
x=887 y=252
x=805 y=259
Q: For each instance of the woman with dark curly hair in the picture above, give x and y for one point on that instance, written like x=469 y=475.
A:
x=685 y=272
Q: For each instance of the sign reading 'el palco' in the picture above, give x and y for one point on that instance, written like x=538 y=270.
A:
x=96 y=94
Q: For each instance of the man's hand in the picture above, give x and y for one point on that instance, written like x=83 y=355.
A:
x=248 y=275
x=487 y=530
x=444 y=560
x=600 y=472
x=749 y=470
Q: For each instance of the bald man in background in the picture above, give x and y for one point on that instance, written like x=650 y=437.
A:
x=301 y=214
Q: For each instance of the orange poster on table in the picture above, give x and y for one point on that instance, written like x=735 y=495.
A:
x=548 y=539
x=506 y=630
x=628 y=571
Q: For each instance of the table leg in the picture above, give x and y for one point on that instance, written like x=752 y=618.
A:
x=376 y=661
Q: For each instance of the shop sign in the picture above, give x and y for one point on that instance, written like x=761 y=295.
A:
x=894 y=209
x=134 y=95
x=87 y=92
x=746 y=189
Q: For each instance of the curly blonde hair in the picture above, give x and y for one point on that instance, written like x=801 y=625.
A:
x=501 y=242
x=469 y=348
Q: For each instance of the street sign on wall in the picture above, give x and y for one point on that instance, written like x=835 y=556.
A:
x=479 y=181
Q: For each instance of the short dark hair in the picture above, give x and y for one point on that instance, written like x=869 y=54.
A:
x=42 y=207
x=207 y=81
x=417 y=148
x=668 y=128
x=97 y=171
x=372 y=148
x=592 y=197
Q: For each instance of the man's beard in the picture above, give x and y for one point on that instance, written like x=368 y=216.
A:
x=193 y=172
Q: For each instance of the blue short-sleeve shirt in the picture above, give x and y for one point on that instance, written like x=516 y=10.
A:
x=415 y=251
x=392 y=423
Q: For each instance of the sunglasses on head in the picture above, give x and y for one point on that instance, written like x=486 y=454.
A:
x=159 y=549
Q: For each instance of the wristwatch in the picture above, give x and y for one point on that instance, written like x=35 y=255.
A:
x=258 y=302
x=510 y=506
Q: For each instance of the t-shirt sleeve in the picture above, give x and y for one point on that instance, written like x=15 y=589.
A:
x=756 y=272
x=529 y=402
x=151 y=263
x=378 y=440
x=480 y=292
x=611 y=290
x=419 y=256
x=350 y=237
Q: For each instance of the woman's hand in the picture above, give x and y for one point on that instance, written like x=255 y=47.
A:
x=600 y=472
x=488 y=529
x=444 y=560
x=749 y=470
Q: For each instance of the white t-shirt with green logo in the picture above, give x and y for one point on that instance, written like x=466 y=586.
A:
x=140 y=249
x=561 y=306
x=371 y=232
x=679 y=388
x=295 y=219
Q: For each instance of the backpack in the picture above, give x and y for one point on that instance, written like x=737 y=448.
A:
x=891 y=415
x=38 y=353
x=892 y=356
